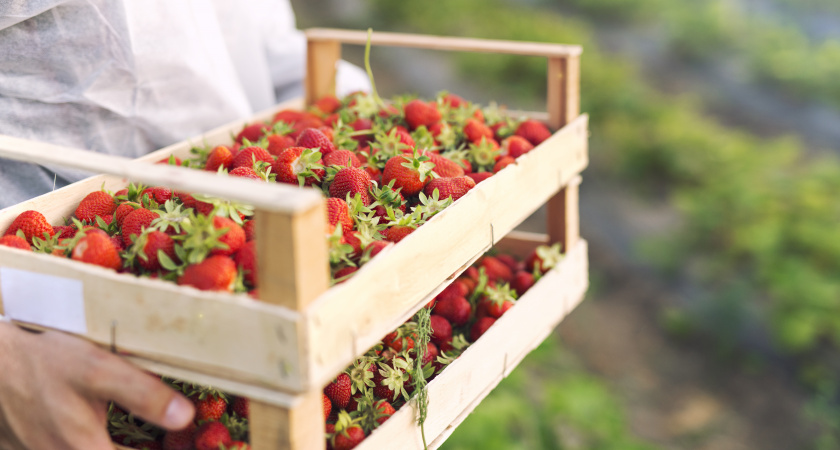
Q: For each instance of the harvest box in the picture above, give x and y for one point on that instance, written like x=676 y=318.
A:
x=282 y=350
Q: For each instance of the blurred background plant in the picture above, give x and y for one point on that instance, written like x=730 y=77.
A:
x=710 y=207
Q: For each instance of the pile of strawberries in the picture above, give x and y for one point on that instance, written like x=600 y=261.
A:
x=384 y=168
x=378 y=383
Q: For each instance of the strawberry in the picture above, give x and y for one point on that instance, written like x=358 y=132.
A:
x=362 y=124
x=250 y=228
x=480 y=327
x=135 y=222
x=247 y=156
x=289 y=116
x=417 y=113
x=209 y=407
x=344 y=158
x=327 y=104
x=157 y=193
x=453 y=100
x=503 y=162
x=410 y=173
x=240 y=406
x=457 y=288
x=454 y=309
x=516 y=146
x=398 y=342
x=252 y=132
x=314 y=138
x=65 y=231
x=327 y=405
x=279 y=142
x=123 y=210
x=95 y=204
x=212 y=435
x=300 y=166
x=245 y=172
x=239 y=445
x=475 y=130
x=522 y=281
x=154 y=242
x=478 y=177
x=509 y=261
x=404 y=137
x=339 y=213
x=339 y=390
x=496 y=270
x=246 y=259
x=234 y=237
x=216 y=273
x=533 y=130
x=445 y=167
x=543 y=258
x=15 y=241
x=384 y=410
x=455 y=187
x=181 y=439
x=97 y=248
x=349 y=438
x=376 y=247
x=441 y=329
x=351 y=180
x=170 y=160
x=344 y=273
x=397 y=233
x=32 y=224
x=220 y=156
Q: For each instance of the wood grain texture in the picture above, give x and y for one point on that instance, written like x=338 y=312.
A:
x=465 y=382
x=443 y=43
x=322 y=57
x=300 y=427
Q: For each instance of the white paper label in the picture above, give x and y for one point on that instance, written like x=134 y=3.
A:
x=45 y=300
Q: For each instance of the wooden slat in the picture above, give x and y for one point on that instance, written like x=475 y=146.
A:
x=564 y=215
x=521 y=243
x=222 y=334
x=321 y=64
x=393 y=285
x=300 y=427
x=563 y=91
x=465 y=382
x=443 y=43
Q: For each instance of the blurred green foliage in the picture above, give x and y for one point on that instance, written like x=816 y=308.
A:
x=761 y=217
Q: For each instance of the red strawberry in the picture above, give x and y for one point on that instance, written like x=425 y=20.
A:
x=339 y=213
x=441 y=329
x=503 y=162
x=181 y=439
x=457 y=288
x=239 y=445
x=216 y=273
x=455 y=309
x=122 y=211
x=252 y=132
x=533 y=130
x=32 y=223
x=385 y=411
x=220 y=156
x=509 y=261
x=289 y=116
x=478 y=177
x=327 y=405
x=522 y=281
x=543 y=258
x=245 y=172
x=14 y=241
x=516 y=146
x=480 y=327
x=240 y=406
x=299 y=166
x=410 y=173
x=496 y=270
x=397 y=233
x=135 y=222
x=495 y=309
x=343 y=273
x=314 y=138
x=246 y=259
x=65 y=231
x=250 y=228
x=405 y=137
x=417 y=113
x=376 y=247
x=233 y=238
x=351 y=180
x=445 y=167
x=176 y=161
x=450 y=187
x=97 y=248
x=97 y=203
x=211 y=407
x=279 y=142
x=397 y=342
x=361 y=124
x=339 y=390
x=159 y=194
x=212 y=435
x=344 y=158
x=349 y=438
x=247 y=156
x=156 y=241
x=453 y=100
x=475 y=130
x=327 y=104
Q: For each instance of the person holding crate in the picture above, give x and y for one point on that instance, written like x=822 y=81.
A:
x=121 y=77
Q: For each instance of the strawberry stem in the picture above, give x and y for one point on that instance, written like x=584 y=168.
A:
x=370 y=72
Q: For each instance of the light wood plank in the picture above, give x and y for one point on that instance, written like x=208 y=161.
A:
x=300 y=427
x=465 y=382
x=443 y=43
x=394 y=284
x=563 y=215
x=521 y=243
x=322 y=57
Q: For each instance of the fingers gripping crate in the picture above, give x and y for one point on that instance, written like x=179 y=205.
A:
x=281 y=351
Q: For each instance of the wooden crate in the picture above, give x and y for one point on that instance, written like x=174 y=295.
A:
x=281 y=351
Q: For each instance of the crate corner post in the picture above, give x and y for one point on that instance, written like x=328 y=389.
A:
x=322 y=56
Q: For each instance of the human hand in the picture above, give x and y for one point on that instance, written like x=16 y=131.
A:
x=55 y=389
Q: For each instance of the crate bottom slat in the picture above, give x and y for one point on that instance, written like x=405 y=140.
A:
x=470 y=378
